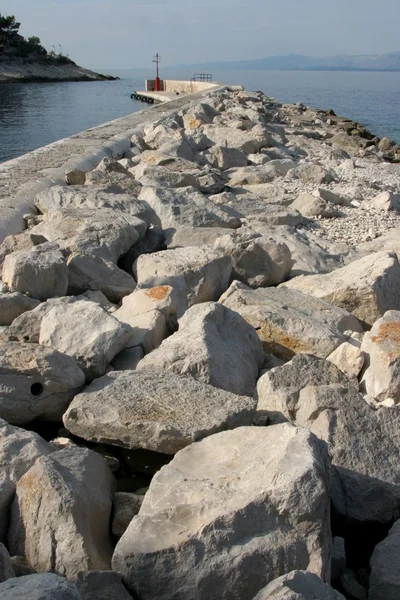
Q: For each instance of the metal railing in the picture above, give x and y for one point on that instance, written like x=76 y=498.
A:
x=202 y=77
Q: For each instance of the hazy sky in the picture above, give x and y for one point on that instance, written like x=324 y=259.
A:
x=124 y=34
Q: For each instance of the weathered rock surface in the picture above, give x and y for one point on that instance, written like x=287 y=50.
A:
x=13 y=305
x=197 y=274
x=222 y=495
x=42 y=586
x=187 y=206
x=85 y=331
x=6 y=571
x=348 y=357
x=381 y=345
x=148 y=330
x=298 y=585
x=248 y=142
x=126 y=506
x=95 y=273
x=61 y=512
x=101 y=585
x=289 y=322
x=163 y=412
x=384 y=581
x=314 y=206
x=162 y=298
x=40 y=273
x=367 y=287
x=36 y=382
x=213 y=344
x=387 y=201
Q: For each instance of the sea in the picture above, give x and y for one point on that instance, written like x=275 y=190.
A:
x=35 y=114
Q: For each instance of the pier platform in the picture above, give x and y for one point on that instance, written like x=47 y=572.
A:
x=157 y=97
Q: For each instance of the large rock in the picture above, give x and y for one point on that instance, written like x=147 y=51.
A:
x=101 y=585
x=95 y=273
x=148 y=330
x=289 y=322
x=42 y=586
x=384 y=583
x=61 y=513
x=314 y=206
x=85 y=331
x=257 y=261
x=125 y=507
x=381 y=345
x=213 y=344
x=163 y=412
x=162 y=298
x=386 y=201
x=14 y=305
x=160 y=176
x=40 y=273
x=105 y=233
x=228 y=515
x=249 y=142
x=196 y=274
x=187 y=206
x=367 y=287
x=225 y=158
x=298 y=585
x=252 y=175
x=36 y=382
x=6 y=570
x=363 y=443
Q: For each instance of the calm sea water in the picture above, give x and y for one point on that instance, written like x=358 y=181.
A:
x=33 y=115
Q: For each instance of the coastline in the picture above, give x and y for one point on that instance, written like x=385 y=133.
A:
x=16 y=71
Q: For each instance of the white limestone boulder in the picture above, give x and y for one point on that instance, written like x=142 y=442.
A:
x=348 y=357
x=386 y=201
x=96 y=273
x=384 y=582
x=105 y=233
x=14 y=305
x=213 y=344
x=160 y=176
x=163 y=412
x=298 y=585
x=313 y=173
x=249 y=141
x=36 y=382
x=61 y=514
x=163 y=298
x=256 y=261
x=41 y=586
x=367 y=287
x=254 y=501
x=197 y=274
x=289 y=322
x=149 y=329
x=85 y=331
x=186 y=207
x=224 y=158
x=252 y=175
x=314 y=206
x=40 y=273
x=381 y=345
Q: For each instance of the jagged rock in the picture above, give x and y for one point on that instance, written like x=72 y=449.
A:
x=36 y=382
x=16 y=243
x=42 y=586
x=283 y=165
x=85 y=331
x=363 y=442
x=13 y=305
x=384 y=583
x=278 y=389
x=381 y=376
x=6 y=570
x=333 y=197
x=21 y=567
x=367 y=287
x=314 y=206
x=163 y=412
x=197 y=274
x=162 y=298
x=233 y=498
x=386 y=201
x=75 y=177
x=193 y=236
x=290 y=323
x=148 y=329
x=186 y=206
x=41 y=272
x=313 y=173
x=159 y=176
x=298 y=585
x=348 y=357
x=104 y=233
x=101 y=585
x=126 y=506
x=128 y=359
x=214 y=345
x=95 y=273
x=338 y=557
x=225 y=158
x=97 y=197
x=61 y=512
x=249 y=142
x=257 y=261
x=113 y=183
x=212 y=181
x=252 y=175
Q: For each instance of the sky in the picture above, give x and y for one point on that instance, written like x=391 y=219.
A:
x=124 y=34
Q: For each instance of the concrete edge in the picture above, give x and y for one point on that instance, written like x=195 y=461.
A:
x=12 y=222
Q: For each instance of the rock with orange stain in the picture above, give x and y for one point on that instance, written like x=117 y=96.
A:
x=163 y=298
x=381 y=377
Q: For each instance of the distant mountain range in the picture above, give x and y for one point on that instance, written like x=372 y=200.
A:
x=299 y=62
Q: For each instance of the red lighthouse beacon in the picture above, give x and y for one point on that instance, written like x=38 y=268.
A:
x=157 y=83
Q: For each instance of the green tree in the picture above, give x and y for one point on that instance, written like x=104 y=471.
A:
x=9 y=28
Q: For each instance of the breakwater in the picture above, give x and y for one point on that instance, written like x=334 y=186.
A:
x=199 y=356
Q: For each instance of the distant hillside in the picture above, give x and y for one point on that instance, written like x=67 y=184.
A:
x=299 y=62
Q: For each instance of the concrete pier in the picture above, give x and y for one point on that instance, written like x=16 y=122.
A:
x=171 y=89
